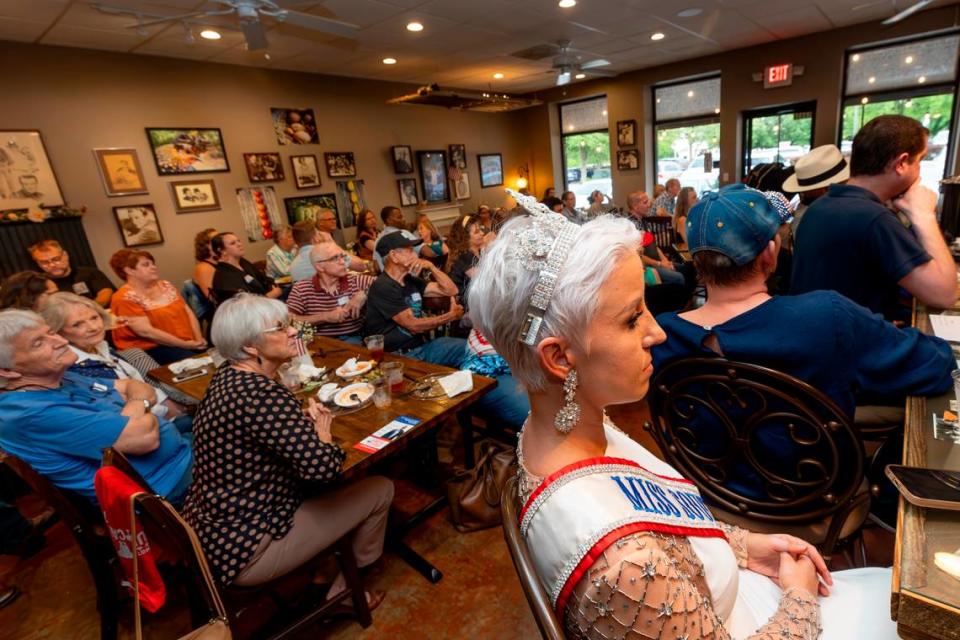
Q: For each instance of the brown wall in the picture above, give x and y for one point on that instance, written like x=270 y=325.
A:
x=628 y=95
x=81 y=99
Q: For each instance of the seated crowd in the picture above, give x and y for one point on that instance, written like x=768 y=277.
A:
x=246 y=463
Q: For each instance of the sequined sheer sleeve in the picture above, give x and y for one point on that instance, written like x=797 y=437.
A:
x=737 y=537
x=652 y=586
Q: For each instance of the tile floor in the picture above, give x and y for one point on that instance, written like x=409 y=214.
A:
x=479 y=596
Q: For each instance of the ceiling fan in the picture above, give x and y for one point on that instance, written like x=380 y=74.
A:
x=249 y=14
x=567 y=65
x=901 y=15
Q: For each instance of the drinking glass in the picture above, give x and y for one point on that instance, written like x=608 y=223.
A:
x=381 y=393
x=393 y=372
x=374 y=345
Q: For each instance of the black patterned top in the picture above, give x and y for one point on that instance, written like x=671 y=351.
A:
x=254 y=450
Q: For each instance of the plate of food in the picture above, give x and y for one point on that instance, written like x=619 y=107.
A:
x=353 y=368
x=354 y=395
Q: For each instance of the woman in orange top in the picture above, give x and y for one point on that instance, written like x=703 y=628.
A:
x=158 y=319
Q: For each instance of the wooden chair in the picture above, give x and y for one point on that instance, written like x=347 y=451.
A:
x=245 y=606
x=86 y=524
x=537 y=598
x=768 y=452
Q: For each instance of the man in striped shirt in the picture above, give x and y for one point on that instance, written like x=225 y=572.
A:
x=334 y=299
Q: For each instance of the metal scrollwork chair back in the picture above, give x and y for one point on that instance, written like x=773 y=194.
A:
x=762 y=447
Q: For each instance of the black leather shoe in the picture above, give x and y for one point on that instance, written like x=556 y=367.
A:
x=8 y=595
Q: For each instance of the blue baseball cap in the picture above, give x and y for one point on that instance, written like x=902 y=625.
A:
x=735 y=221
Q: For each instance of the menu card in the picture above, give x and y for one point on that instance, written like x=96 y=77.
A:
x=385 y=434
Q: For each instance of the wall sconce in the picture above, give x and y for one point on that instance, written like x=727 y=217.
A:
x=523 y=171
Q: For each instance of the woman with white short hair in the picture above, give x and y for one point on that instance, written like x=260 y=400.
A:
x=623 y=545
x=258 y=454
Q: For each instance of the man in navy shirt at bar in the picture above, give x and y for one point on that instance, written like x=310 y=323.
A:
x=852 y=243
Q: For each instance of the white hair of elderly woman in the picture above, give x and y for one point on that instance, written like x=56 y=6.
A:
x=58 y=307
x=502 y=287
x=13 y=322
x=240 y=321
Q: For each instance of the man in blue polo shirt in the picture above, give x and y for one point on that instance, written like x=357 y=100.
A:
x=852 y=243
x=59 y=423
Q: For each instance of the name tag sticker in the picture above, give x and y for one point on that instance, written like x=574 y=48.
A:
x=248 y=278
x=99 y=388
x=80 y=288
x=342 y=301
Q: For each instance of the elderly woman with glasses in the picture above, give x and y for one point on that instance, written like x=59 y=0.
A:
x=259 y=455
x=624 y=546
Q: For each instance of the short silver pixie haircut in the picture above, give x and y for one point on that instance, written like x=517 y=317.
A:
x=13 y=322
x=501 y=290
x=240 y=321
x=58 y=307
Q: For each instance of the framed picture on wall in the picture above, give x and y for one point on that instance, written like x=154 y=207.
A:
x=26 y=175
x=340 y=164
x=180 y=151
x=626 y=133
x=306 y=173
x=433 y=176
x=402 y=159
x=306 y=208
x=120 y=171
x=461 y=186
x=458 y=156
x=408 y=192
x=351 y=201
x=138 y=225
x=195 y=195
x=628 y=160
x=295 y=126
x=263 y=167
x=491 y=169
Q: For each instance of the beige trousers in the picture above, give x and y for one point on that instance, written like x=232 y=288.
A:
x=319 y=522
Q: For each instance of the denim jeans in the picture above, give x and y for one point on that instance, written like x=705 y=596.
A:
x=447 y=352
x=669 y=276
x=505 y=404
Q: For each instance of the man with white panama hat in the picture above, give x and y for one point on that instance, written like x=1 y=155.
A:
x=813 y=173
x=851 y=240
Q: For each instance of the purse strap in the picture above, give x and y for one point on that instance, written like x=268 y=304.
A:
x=199 y=556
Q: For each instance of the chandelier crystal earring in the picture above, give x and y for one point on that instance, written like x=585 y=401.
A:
x=569 y=414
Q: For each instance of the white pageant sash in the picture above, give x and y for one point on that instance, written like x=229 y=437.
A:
x=579 y=511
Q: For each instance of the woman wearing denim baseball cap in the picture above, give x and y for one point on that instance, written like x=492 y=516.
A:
x=624 y=546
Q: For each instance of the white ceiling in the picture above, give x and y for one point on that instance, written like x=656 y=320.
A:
x=464 y=41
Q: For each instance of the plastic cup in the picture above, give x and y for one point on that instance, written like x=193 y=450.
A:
x=381 y=393
x=374 y=345
x=393 y=372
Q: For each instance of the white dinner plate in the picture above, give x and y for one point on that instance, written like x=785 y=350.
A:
x=363 y=391
x=363 y=366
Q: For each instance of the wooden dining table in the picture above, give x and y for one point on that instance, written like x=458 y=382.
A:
x=351 y=426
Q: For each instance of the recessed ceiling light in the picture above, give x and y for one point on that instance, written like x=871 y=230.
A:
x=689 y=13
x=717 y=110
x=657 y=36
x=210 y=34
x=570 y=127
x=389 y=61
x=871 y=79
x=580 y=76
x=908 y=59
x=855 y=57
x=864 y=100
x=922 y=79
x=414 y=26
x=604 y=112
x=498 y=75
x=566 y=4
x=690 y=93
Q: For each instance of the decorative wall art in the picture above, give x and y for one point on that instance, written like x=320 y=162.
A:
x=628 y=160
x=195 y=195
x=120 y=171
x=260 y=212
x=351 y=201
x=138 y=225
x=461 y=186
x=340 y=164
x=306 y=208
x=627 y=133
x=408 y=192
x=402 y=159
x=491 y=169
x=295 y=126
x=458 y=156
x=26 y=175
x=305 y=171
x=180 y=151
x=433 y=176
x=263 y=167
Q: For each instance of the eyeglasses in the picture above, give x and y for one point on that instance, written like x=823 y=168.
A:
x=283 y=326
x=54 y=260
x=339 y=258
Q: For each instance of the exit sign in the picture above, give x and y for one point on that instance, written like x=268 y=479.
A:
x=778 y=75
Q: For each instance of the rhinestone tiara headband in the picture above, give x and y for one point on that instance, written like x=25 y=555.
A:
x=542 y=247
